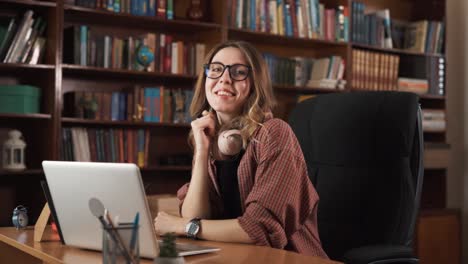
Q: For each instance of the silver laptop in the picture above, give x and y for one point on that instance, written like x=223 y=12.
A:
x=119 y=187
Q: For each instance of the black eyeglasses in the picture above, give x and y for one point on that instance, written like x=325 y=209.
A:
x=238 y=72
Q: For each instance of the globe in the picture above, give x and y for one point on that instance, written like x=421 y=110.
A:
x=145 y=55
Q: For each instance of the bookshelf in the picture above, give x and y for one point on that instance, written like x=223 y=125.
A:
x=55 y=77
x=395 y=50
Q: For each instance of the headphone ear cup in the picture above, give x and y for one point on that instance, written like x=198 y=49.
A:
x=230 y=142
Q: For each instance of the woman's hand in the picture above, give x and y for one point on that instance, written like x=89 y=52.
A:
x=165 y=223
x=203 y=131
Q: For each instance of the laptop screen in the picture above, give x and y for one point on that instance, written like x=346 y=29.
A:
x=117 y=185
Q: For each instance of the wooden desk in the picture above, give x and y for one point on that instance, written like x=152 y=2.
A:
x=18 y=246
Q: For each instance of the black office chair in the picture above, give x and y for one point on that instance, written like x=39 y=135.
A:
x=364 y=153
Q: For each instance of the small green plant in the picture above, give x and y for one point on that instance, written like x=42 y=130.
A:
x=168 y=246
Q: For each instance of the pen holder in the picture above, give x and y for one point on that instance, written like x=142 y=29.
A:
x=113 y=251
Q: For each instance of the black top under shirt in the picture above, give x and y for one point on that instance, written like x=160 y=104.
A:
x=226 y=171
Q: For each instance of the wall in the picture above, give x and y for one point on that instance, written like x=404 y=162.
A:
x=457 y=101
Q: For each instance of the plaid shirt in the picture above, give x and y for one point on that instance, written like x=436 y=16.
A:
x=278 y=201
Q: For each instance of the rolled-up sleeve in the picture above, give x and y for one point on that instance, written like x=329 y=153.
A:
x=181 y=193
x=215 y=200
x=282 y=197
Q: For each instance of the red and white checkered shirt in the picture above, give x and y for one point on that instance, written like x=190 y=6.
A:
x=278 y=201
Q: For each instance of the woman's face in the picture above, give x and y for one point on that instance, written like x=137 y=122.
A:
x=224 y=94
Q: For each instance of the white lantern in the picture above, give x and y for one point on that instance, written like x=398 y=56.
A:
x=13 y=152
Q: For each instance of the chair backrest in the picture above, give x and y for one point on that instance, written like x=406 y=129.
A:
x=364 y=156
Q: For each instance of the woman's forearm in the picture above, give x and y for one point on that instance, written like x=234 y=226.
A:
x=223 y=230
x=196 y=202
x=228 y=230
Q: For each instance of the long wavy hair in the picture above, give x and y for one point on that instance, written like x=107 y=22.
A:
x=259 y=103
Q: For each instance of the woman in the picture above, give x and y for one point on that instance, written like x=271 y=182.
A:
x=262 y=195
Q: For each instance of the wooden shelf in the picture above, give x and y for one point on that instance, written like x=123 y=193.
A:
x=437 y=212
x=25 y=116
x=271 y=39
x=438 y=236
x=89 y=71
x=432 y=97
x=24 y=172
x=436 y=155
x=305 y=90
x=20 y=66
x=31 y=3
x=436 y=145
x=102 y=17
x=395 y=51
x=79 y=121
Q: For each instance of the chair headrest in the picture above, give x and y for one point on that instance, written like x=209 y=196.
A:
x=358 y=127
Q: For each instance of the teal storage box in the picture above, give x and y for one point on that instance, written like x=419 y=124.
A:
x=20 y=99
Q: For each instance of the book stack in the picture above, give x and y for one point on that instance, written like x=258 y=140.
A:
x=433 y=120
x=417 y=86
x=22 y=39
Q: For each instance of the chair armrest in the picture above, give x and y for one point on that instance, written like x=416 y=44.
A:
x=380 y=254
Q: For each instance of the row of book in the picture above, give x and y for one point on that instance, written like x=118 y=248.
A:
x=433 y=120
x=305 y=72
x=374 y=70
x=372 y=28
x=298 y=18
x=90 y=47
x=105 y=145
x=146 y=104
x=377 y=28
x=327 y=72
x=381 y=71
x=163 y=9
x=422 y=36
x=22 y=38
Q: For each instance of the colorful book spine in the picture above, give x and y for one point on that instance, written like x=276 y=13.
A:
x=156 y=104
x=151 y=8
x=170 y=9
x=148 y=105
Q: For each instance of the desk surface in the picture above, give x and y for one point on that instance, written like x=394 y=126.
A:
x=14 y=243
